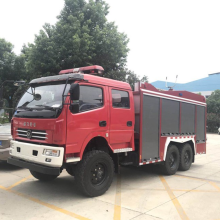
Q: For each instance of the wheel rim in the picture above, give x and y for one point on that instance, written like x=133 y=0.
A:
x=172 y=160
x=98 y=173
x=187 y=157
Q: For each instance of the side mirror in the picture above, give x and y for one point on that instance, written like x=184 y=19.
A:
x=37 y=97
x=19 y=83
x=74 y=92
x=74 y=108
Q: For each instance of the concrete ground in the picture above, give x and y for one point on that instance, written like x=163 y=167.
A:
x=137 y=193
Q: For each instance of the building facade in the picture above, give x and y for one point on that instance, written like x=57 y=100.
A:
x=205 y=86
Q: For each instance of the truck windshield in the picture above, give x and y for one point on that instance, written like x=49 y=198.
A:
x=47 y=96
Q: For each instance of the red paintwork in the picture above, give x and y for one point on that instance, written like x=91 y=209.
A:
x=180 y=118
x=201 y=148
x=56 y=128
x=175 y=95
x=141 y=133
x=162 y=146
x=121 y=136
x=185 y=94
x=162 y=141
x=84 y=126
x=74 y=131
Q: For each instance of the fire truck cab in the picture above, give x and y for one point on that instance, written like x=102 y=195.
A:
x=89 y=125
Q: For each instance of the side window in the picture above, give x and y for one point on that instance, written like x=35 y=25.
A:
x=120 y=99
x=90 y=98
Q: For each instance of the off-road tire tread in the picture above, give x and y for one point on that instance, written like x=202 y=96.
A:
x=166 y=170
x=181 y=167
x=70 y=172
x=43 y=177
x=81 y=168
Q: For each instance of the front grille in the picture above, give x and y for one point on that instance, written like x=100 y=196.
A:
x=32 y=134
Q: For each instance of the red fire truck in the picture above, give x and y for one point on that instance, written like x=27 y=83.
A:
x=90 y=125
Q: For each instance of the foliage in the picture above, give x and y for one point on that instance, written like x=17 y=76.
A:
x=12 y=67
x=18 y=94
x=82 y=36
x=126 y=76
x=4 y=118
x=213 y=122
x=213 y=110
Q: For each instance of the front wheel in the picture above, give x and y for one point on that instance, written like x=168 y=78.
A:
x=186 y=157
x=94 y=173
x=171 y=163
x=70 y=170
x=42 y=176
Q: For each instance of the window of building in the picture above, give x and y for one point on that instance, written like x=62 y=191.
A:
x=120 y=99
x=90 y=98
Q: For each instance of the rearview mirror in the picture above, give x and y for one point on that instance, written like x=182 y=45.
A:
x=74 y=108
x=74 y=92
x=19 y=83
x=37 y=97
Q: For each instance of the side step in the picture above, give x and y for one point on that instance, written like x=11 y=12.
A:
x=124 y=163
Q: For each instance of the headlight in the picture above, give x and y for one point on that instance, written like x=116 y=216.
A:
x=52 y=153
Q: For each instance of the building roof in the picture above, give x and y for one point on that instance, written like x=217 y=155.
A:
x=210 y=83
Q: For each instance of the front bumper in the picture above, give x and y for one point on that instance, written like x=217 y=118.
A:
x=34 y=167
x=4 y=154
x=34 y=153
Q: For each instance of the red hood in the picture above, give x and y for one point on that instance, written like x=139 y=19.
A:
x=55 y=129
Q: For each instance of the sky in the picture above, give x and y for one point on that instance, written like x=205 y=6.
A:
x=167 y=38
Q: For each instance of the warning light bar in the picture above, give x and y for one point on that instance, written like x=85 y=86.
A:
x=93 y=70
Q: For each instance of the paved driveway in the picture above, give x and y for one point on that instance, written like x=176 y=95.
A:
x=137 y=193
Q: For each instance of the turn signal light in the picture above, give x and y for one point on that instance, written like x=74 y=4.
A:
x=52 y=153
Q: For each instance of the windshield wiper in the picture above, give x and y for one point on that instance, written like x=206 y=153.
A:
x=24 y=107
x=46 y=107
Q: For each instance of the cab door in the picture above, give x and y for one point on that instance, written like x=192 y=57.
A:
x=121 y=128
x=92 y=119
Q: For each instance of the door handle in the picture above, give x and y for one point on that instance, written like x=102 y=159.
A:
x=102 y=123
x=129 y=123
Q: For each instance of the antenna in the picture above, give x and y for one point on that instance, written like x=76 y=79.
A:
x=171 y=87
x=175 y=81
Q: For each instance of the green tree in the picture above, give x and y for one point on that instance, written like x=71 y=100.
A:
x=213 y=111
x=12 y=67
x=82 y=36
x=126 y=76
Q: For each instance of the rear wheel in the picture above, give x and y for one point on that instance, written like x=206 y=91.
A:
x=171 y=163
x=186 y=157
x=94 y=174
x=42 y=176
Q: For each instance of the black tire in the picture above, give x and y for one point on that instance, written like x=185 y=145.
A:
x=42 y=176
x=186 y=157
x=94 y=173
x=172 y=161
x=70 y=170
